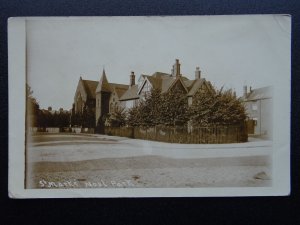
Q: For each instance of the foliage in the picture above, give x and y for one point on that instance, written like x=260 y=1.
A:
x=173 y=109
x=32 y=108
x=88 y=117
x=43 y=118
x=116 y=118
x=169 y=109
x=216 y=107
x=209 y=107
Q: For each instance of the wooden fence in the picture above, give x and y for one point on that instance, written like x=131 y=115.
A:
x=199 y=135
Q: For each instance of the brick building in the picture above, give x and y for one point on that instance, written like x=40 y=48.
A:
x=103 y=97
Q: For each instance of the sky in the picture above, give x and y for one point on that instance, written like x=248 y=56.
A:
x=231 y=51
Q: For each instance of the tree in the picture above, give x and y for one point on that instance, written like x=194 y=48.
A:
x=229 y=110
x=32 y=108
x=147 y=112
x=88 y=117
x=216 y=107
x=173 y=108
x=169 y=109
x=202 y=107
x=117 y=118
x=134 y=116
x=150 y=109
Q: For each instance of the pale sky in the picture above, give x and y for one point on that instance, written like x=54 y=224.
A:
x=230 y=50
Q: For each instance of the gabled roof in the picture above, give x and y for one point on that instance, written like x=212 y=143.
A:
x=259 y=93
x=178 y=79
x=103 y=84
x=189 y=84
x=166 y=84
x=163 y=81
x=120 y=89
x=156 y=83
x=131 y=93
x=90 y=88
x=195 y=87
x=160 y=75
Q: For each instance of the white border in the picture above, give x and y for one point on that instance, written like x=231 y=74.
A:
x=17 y=78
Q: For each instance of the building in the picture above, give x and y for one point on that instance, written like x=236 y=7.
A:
x=103 y=97
x=258 y=104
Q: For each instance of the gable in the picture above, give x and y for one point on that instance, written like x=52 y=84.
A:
x=200 y=84
x=90 y=88
x=178 y=85
x=80 y=91
x=145 y=87
x=131 y=93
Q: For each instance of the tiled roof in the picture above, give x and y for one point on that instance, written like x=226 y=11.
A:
x=90 y=88
x=160 y=75
x=166 y=84
x=120 y=89
x=196 y=85
x=103 y=84
x=259 y=93
x=131 y=93
x=189 y=84
x=155 y=82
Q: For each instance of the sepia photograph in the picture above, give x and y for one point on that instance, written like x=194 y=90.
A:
x=159 y=106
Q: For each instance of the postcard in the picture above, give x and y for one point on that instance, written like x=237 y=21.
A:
x=157 y=106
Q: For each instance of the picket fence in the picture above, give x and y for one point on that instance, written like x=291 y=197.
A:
x=196 y=135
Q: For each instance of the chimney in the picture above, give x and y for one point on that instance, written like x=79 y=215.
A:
x=176 y=69
x=245 y=91
x=132 y=79
x=197 y=73
x=49 y=108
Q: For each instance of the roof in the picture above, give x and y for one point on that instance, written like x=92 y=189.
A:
x=166 y=84
x=103 y=84
x=189 y=84
x=197 y=84
x=156 y=83
x=175 y=81
x=160 y=75
x=131 y=93
x=90 y=88
x=259 y=93
x=120 y=89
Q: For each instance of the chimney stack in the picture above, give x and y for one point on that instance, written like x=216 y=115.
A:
x=176 y=69
x=245 y=91
x=49 y=108
x=132 y=79
x=197 y=73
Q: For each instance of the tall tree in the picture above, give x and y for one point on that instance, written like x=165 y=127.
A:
x=173 y=109
x=216 y=107
x=32 y=108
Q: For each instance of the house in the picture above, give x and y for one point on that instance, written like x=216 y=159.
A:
x=164 y=82
x=258 y=104
x=103 y=97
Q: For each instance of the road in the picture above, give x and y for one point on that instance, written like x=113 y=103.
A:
x=100 y=161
